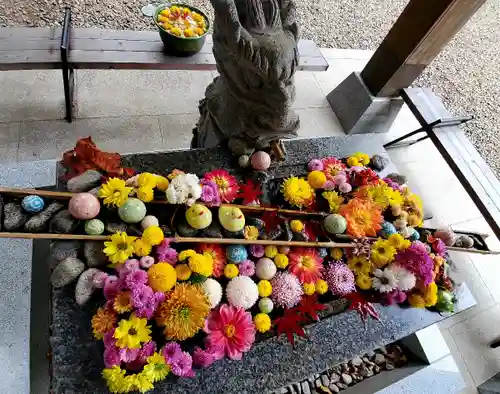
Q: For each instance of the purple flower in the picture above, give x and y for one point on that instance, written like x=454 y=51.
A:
x=141 y=295
x=210 y=193
x=128 y=355
x=247 y=268
x=172 y=352
x=340 y=178
x=183 y=366
x=146 y=262
x=394 y=297
x=393 y=185
x=111 y=356
x=256 y=251
x=417 y=260
x=202 y=358
x=109 y=339
x=147 y=350
x=329 y=185
x=166 y=253
x=439 y=247
x=315 y=165
x=136 y=278
x=131 y=265
x=345 y=187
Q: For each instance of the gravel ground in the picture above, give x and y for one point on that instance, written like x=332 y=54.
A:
x=465 y=74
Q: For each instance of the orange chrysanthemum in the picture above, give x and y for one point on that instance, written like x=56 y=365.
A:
x=305 y=264
x=103 y=321
x=123 y=302
x=363 y=218
x=183 y=313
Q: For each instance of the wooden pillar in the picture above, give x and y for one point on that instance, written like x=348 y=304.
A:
x=417 y=37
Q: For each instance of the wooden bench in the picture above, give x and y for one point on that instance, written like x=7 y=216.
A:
x=468 y=166
x=80 y=48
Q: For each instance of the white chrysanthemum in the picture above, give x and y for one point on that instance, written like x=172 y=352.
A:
x=265 y=269
x=384 y=281
x=184 y=189
x=242 y=292
x=405 y=280
x=213 y=290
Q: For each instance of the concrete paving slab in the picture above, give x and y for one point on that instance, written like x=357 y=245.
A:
x=9 y=141
x=318 y=122
x=177 y=130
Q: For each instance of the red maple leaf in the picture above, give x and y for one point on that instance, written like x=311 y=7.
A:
x=271 y=219
x=309 y=306
x=361 y=305
x=249 y=192
x=290 y=324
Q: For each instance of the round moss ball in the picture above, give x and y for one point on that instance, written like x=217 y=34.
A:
x=132 y=211
x=266 y=305
x=260 y=161
x=335 y=224
x=32 y=204
x=94 y=227
x=236 y=253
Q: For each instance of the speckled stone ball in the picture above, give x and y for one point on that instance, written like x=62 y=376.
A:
x=244 y=161
x=84 y=206
x=32 y=204
x=265 y=269
x=335 y=224
x=266 y=305
x=94 y=227
x=387 y=229
x=149 y=221
x=132 y=211
x=236 y=253
x=260 y=161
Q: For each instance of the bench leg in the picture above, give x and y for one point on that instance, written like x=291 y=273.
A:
x=69 y=88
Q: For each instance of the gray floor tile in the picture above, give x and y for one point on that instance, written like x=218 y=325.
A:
x=177 y=130
x=308 y=92
x=31 y=95
x=318 y=122
x=338 y=71
x=49 y=139
x=9 y=141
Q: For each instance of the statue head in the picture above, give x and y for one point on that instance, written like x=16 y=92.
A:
x=259 y=14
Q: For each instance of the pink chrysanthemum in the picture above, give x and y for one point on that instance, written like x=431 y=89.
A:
x=227 y=184
x=183 y=366
x=247 y=268
x=305 y=264
x=210 y=193
x=417 y=260
x=146 y=301
x=315 y=165
x=109 y=339
x=202 y=358
x=218 y=255
x=340 y=279
x=111 y=356
x=146 y=262
x=128 y=355
x=256 y=251
x=131 y=265
x=287 y=290
x=111 y=288
x=165 y=253
x=230 y=331
x=136 y=278
x=332 y=166
x=172 y=352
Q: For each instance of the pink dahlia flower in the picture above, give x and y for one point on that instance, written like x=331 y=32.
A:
x=230 y=330
x=305 y=264
x=340 y=279
x=256 y=251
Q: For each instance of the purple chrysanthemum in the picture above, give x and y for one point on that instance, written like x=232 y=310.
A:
x=136 y=278
x=256 y=251
x=394 y=297
x=340 y=279
x=287 y=290
x=111 y=287
x=166 y=253
x=147 y=350
x=146 y=262
x=202 y=358
x=210 y=193
x=417 y=260
x=111 y=357
x=146 y=301
x=109 y=339
x=128 y=355
x=131 y=265
x=172 y=352
x=183 y=366
x=362 y=246
x=329 y=185
x=439 y=247
x=315 y=165
x=247 y=268
x=393 y=185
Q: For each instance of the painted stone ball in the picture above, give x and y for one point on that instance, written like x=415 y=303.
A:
x=231 y=218
x=265 y=269
x=84 y=206
x=266 y=305
x=260 y=161
x=94 y=227
x=415 y=236
x=198 y=216
x=32 y=204
x=132 y=211
x=149 y=221
x=387 y=229
x=236 y=253
x=335 y=224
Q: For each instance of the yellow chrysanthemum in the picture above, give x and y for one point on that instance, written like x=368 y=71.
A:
x=262 y=322
x=119 y=248
x=162 y=277
x=297 y=192
x=114 y=192
x=132 y=333
x=156 y=369
x=334 y=200
x=364 y=282
x=147 y=180
x=270 y=251
x=251 y=232
x=265 y=288
x=398 y=241
x=321 y=286
x=336 y=253
x=153 y=235
x=162 y=183
x=353 y=161
x=309 y=288
x=360 y=265
x=416 y=300
x=123 y=302
x=297 y=226
x=183 y=314
x=363 y=158
x=183 y=271
x=186 y=254
x=142 y=383
x=145 y=194
x=200 y=264
x=231 y=271
x=103 y=321
x=115 y=379
x=431 y=295
x=382 y=253
x=380 y=194
x=281 y=260
x=142 y=248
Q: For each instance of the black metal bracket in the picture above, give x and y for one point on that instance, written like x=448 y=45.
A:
x=68 y=73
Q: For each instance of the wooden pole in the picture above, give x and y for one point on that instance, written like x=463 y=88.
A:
x=416 y=38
